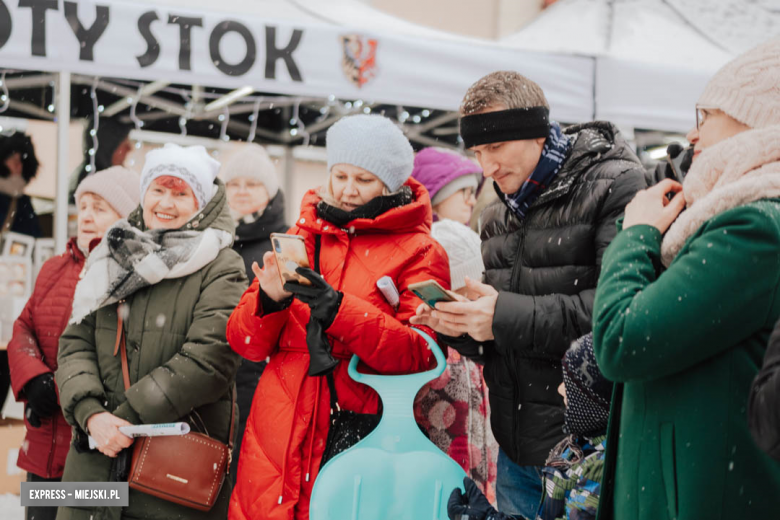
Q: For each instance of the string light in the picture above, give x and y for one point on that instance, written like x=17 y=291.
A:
x=254 y=117
x=225 y=118
x=95 y=126
x=183 y=119
x=5 y=98
x=135 y=119
x=301 y=128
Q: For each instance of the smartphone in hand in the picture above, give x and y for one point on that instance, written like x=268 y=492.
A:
x=290 y=252
x=431 y=292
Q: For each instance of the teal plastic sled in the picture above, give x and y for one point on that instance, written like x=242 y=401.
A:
x=395 y=472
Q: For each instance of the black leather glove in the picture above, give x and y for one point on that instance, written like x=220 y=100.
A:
x=321 y=362
x=42 y=395
x=471 y=506
x=322 y=299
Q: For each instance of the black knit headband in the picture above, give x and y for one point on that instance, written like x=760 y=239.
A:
x=514 y=124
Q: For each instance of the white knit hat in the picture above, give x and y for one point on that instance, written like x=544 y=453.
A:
x=192 y=164
x=373 y=143
x=252 y=161
x=463 y=248
x=748 y=87
x=116 y=185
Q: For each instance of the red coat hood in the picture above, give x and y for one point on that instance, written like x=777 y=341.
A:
x=414 y=217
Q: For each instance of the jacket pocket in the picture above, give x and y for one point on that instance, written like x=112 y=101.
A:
x=669 y=468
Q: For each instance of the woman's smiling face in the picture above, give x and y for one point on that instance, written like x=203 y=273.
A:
x=169 y=203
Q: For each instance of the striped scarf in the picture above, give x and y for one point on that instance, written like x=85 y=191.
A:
x=556 y=150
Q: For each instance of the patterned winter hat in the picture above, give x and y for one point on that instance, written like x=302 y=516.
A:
x=588 y=392
x=192 y=164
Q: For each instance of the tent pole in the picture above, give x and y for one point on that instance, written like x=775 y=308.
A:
x=63 y=125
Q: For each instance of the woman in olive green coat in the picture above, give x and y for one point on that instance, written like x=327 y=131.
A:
x=688 y=340
x=170 y=272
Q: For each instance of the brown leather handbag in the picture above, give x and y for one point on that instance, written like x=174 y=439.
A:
x=188 y=470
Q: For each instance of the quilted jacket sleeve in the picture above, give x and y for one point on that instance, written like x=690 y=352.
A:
x=251 y=332
x=764 y=405
x=548 y=324
x=387 y=343
x=78 y=373
x=205 y=367
x=25 y=358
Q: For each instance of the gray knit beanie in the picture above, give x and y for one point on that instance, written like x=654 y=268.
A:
x=252 y=161
x=116 y=185
x=373 y=143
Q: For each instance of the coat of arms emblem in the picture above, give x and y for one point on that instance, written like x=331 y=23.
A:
x=359 y=61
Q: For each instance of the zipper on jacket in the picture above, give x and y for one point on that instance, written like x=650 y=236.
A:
x=514 y=283
x=515 y=278
x=54 y=421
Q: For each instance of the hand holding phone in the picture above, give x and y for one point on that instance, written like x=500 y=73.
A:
x=269 y=279
x=431 y=293
x=290 y=253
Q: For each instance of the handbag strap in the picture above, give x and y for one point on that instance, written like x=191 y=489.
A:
x=121 y=345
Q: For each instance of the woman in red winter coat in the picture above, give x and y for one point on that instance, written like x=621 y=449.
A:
x=370 y=220
x=102 y=199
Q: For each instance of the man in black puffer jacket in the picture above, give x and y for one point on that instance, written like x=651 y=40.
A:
x=560 y=193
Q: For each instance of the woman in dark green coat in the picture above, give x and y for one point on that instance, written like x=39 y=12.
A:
x=170 y=272
x=683 y=319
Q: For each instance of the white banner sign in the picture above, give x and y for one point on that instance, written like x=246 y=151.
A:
x=145 y=41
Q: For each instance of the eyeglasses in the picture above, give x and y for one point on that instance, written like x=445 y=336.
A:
x=702 y=113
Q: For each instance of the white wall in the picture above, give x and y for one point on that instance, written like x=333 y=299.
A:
x=491 y=19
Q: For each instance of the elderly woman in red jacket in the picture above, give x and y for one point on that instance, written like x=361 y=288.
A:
x=102 y=199
x=370 y=220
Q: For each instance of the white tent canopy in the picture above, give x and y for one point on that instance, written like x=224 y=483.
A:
x=653 y=57
x=341 y=48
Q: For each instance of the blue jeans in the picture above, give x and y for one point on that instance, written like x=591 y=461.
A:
x=518 y=488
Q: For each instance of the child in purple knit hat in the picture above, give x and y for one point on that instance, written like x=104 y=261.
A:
x=452 y=181
x=454 y=408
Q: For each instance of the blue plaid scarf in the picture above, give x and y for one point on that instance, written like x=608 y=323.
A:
x=556 y=150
